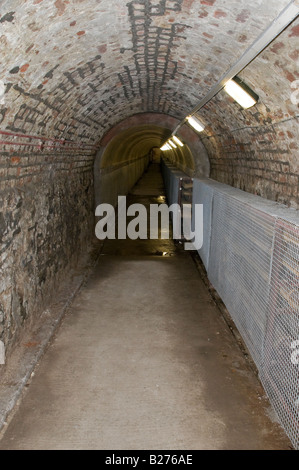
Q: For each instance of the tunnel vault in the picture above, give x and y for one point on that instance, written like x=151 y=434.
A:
x=88 y=87
x=69 y=79
x=127 y=150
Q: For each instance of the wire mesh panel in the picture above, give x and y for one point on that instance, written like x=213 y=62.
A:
x=240 y=265
x=203 y=194
x=280 y=371
x=251 y=253
x=171 y=177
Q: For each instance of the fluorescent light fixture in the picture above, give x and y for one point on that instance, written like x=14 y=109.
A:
x=172 y=144
x=241 y=93
x=165 y=147
x=177 y=141
x=195 y=123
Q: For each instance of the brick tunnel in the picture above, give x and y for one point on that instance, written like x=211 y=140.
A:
x=92 y=96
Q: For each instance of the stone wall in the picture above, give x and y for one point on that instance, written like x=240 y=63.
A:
x=46 y=224
x=256 y=149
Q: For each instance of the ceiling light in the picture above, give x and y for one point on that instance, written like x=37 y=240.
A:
x=177 y=141
x=172 y=144
x=241 y=93
x=195 y=123
x=165 y=147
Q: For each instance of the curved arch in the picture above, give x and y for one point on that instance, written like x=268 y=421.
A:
x=133 y=137
x=125 y=151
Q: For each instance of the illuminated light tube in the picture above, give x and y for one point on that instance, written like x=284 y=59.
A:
x=177 y=141
x=165 y=147
x=241 y=93
x=172 y=144
x=195 y=123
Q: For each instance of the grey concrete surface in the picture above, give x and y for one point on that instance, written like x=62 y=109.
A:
x=143 y=359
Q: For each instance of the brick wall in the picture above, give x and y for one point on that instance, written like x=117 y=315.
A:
x=46 y=224
x=256 y=150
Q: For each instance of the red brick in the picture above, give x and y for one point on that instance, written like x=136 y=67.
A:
x=220 y=14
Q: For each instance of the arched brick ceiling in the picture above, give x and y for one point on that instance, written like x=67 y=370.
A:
x=136 y=142
x=74 y=69
x=132 y=143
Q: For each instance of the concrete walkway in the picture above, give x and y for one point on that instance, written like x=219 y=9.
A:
x=144 y=360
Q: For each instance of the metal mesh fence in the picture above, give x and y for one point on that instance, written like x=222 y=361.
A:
x=251 y=253
x=171 y=177
x=203 y=194
x=280 y=371
x=239 y=266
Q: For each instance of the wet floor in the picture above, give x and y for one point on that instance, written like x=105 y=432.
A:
x=144 y=360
